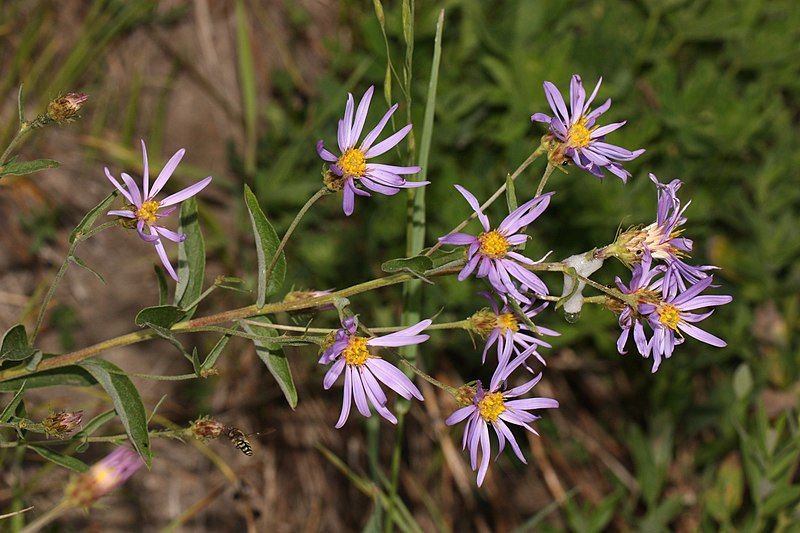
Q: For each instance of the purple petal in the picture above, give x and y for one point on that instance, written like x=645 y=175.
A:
x=121 y=213
x=473 y=203
x=326 y=155
x=361 y=115
x=169 y=234
x=393 y=378
x=348 y=197
x=346 y=399
x=333 y=374
x=119 y=187
x=459 y=239
x=459 y=415
x=556 y=101
x=372 y=135
x=166 y=172
x=388 y=143
x=145 y=173
x=133 y=189
x=533 y=403
x=162 y=254
x=701 y=335
x=358 y=391
x=348 y=124
x=188 y=192
x=394 y=169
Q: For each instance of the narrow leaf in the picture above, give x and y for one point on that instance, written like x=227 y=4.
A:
x=266 y=244
x=81 y=263
x=274 y=358
x=9 y=409
x=160 y=315
x=511 y=194
x=20 y=106
x=126 y=400
x=163 y=288
x=60 y=459
x=191 y=258
x=90 y=217
x=20 y=168
x=418 y=264
x=213 y=355
x=69 y=376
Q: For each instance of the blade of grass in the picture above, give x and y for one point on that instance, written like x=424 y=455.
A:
x=247 y=82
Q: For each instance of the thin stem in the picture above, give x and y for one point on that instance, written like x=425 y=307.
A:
x=60 y=274
x=47 y=517
x=24 y=128
x=525 y=164
x=433 y=381
x=162 y=433
x=317 y=195
x=542 y=182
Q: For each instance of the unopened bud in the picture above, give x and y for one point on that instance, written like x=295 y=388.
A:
x=66 y=108
x=207 y=428
x=62 y=423
x=103 y=477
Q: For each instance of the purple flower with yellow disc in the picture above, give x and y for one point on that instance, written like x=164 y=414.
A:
x=103 y=477
x=580 y=139
x=497 y=408
x=645 y=287
x=147 y=211
x=363 y=370
x=351 y=167
x=501 y=327
x=673 y=315
x=492 y=252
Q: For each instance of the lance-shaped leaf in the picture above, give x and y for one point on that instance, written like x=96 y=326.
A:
x=266 y=244
x=274 y=358
x=14 y=346
x=417 y=265
x=160 y=315
x=11 y=408
x=191 y=258
x=213 y=355
x=60 y=459
x=90 y=217
x=20 y=168
x=126 y=400
x=69 y=376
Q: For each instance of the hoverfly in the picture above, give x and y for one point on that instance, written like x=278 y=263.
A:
x=239 y=438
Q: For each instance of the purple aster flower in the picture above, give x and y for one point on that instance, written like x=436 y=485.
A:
x=501 y=326
x=662 y=239
x=492 y=251
x=672 y=316
x=103 y=477
x=351 y=166
x=580 y=139
x=147 y=211
x=646 y=287
x=363 y=370
x=497 y=408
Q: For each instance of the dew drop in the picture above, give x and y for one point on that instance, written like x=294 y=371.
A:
x=572 y=317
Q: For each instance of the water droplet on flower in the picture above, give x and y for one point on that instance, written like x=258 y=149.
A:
x=572 y=317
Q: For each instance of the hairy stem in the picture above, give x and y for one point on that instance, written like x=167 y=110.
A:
x=300 y=214
x=499 y=192
x=24 y=128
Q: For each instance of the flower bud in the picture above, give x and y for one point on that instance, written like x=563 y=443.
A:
x=62 y=423
x=103 y=477
x=207 y=428
x=66 y=108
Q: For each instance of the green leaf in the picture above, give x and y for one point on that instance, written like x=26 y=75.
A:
x=70 y=376
x=418 y=264
x=163 y=288
x=14 y=346
x=90 y=217
x=213 y=355
x=20 y=168
x=20 y=106
x=196 y=362
x=95 y=423
x=274 y=358
x=9 y=409
x=164 y=316
x=81 y=263
x=126 y=400
x=191 y=258
x=443 y=259
x=266 y=244
x=60 y=459
x=247 y=82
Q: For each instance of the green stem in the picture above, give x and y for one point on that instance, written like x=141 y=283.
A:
x=60 y=274
x=317 y=195
x=433 y=381
x=162 y=433
x=47 y=517
x=499 y=192
x=542 y=182
x=24 y=128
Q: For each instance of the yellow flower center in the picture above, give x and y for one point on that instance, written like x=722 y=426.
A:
x=578 y=134
x=492 y=406
x=507 y=321
x=148 y=211
x=356 y=352
x=493 y=244
x=353 y=163
x=669 y=315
